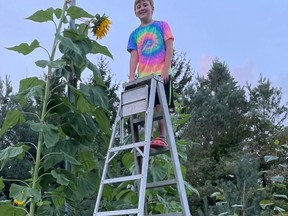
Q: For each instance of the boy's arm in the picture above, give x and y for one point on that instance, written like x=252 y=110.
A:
x=168 y=59
x=133 y=64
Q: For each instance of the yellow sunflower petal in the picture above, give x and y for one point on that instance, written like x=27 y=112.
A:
x=17 y=202
x=102 y=28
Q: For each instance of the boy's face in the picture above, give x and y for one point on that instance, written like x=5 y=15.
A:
x=144 y=10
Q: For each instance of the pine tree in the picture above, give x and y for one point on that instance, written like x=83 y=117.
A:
x=217 y=108
x=267 y=112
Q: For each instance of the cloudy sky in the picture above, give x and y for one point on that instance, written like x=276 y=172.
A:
x=250 y=36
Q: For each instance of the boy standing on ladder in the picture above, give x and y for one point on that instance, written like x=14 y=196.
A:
x=151 y=49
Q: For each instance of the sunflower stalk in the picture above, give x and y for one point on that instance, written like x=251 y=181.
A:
x=44 y=109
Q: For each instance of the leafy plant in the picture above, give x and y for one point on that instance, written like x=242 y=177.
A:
x=66 y=126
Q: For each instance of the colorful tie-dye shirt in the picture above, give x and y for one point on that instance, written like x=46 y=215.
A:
x=149 y=42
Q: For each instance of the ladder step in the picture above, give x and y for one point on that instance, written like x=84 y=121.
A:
x=128 y=146
x=122 y=179
x=117 y=212
x=168 y=182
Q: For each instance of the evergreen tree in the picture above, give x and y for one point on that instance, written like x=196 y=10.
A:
x=6 y=104
x=182 y=75
x=267 y=112
x=217 y=107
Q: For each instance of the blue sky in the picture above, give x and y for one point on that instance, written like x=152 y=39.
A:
x=251 y=37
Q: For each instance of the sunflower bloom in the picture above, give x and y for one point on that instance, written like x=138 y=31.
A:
x=17 y=202
x=101 y=26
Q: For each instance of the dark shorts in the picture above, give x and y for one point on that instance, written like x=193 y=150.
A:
x=168 y=87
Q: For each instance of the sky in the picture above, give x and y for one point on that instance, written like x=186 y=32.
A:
x=250 y=36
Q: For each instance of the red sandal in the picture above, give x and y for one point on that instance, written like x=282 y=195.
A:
x=158 y=142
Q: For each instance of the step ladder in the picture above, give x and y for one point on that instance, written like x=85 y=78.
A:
x=137 y=105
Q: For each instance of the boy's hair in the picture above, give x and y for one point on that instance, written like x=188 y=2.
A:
x=138 y=1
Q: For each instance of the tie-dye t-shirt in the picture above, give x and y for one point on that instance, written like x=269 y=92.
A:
x=149 y=42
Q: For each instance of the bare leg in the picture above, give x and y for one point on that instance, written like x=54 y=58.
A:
x=162 y=129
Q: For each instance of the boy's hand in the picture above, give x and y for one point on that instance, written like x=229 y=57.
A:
x=165 y=76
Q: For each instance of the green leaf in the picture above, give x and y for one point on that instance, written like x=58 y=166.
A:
x=218 y=195
x=71 y=159
x=277 y=208
x=42 y=15
x=160 y=207
x=126 y=160
x=122 y=193
x=50 y=210
x=12 y=118
x=269 y=158
x=87 y=159
x=53 y=64
x=103 y=121
x=183 y=119
x=82 y=102
x=278 y=178
x=157 y=172
x=22 y=193
x=51 y=135
x=60 y=178
x=57 y=12
x=265 y=203
x=97 y=48
x=279 y=185
x=58 y=197
x=74 y=35
x=30 y=93
x=280 y=196
x=25 y=48
x=80 y=126
x=57 y=157
x=96 y=74
x=35 y=126
x=2 y=185
x=10 y=152
x=30 y=82
x=67 y=42
x=9 y=210
x=76 y=12
x=16 y=190
x=96 y=95
x=190 y=188
x=50 y=132
x=108 y=192
x=85 y=184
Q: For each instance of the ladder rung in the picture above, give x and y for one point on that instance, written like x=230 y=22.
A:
x=161 y=183
x=118 y=212
x=128 y=146
x=122 y=179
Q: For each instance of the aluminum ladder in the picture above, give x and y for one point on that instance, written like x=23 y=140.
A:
x=138 y=99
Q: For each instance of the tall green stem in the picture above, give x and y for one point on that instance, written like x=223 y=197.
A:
x=44 y=109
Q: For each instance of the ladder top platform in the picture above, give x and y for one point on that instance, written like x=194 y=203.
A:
x=141 y=81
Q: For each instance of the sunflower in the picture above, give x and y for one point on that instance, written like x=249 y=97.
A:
x=101 y=26
x=18 y=203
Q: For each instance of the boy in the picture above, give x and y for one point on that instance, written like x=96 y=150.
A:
x=151 y=49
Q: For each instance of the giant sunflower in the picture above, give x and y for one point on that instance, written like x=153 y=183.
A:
x=101 y=26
